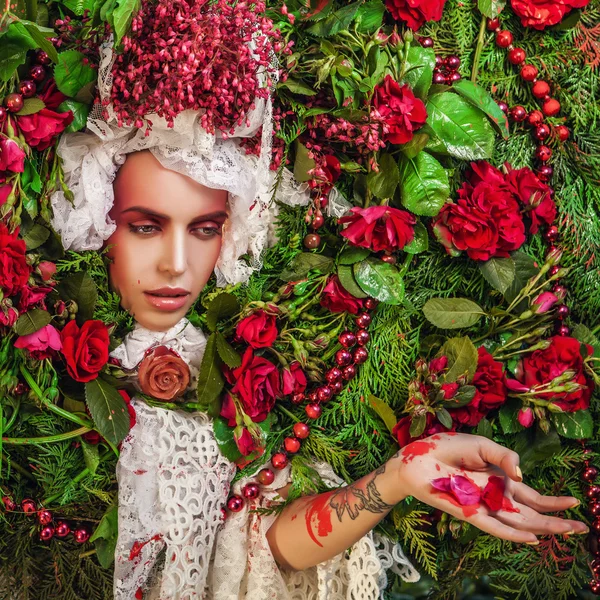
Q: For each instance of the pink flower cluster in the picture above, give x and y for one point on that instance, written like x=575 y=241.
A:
x=208 y=56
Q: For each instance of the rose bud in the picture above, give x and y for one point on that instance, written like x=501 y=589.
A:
x=526 y=417
x=47 y=270
x=543 y=303
x=553 y=257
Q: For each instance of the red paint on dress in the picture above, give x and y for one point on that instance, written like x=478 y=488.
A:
x=418 y=448
x=139 y=595
x=137 y=546
x=318 y=514
x=507 y=505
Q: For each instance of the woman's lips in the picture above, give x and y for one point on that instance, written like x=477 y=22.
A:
x=167 y=300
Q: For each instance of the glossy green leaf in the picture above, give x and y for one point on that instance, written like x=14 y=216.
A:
x=40 y=35
x=303 y=163
x=452 y=313
x=11 y=56
x=574 y=425
x=210 y=379
x=498 y=272
x=348 y=281
x=71 y=74
x=484 y=429
x=412 y=148
x=121 y=17
x=370 y=16
x=335 y=22
x=221 y=307
x=353 y=254
x=226 y=352
x=417 y=425
x=91 y=456
x=509 y=421
x=534 y=446
x=36 y=236
x=462 y=358
x=424 y=186
x=480 y=98
x=461 y=129
x=225 y=440
x=491 y=8
x=297 y=87
x=80 y=112
x=383 y=183
x=31 y=106
x=81 y=288
x=443 y=416
x=380 y=280
x=32 y=321
x=108 y=409
x=420 y=242
x=385 y=412
x=419 y=69
x=525 y=269
x=105 y=536
x=305 y=262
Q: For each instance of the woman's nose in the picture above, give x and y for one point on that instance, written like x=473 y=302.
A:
x=174 y=254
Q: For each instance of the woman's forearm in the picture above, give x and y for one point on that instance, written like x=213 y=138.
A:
x=313 y=529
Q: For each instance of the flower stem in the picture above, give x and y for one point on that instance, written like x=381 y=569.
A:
x=47 y=438
x=478 y=49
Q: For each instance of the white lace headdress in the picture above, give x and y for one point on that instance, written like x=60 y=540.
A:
x=91 y=161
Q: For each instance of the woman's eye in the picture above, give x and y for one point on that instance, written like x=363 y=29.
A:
x=208 y=230
x=143 y=229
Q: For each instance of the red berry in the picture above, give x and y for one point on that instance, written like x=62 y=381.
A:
x=561 y=131
x=453 y=62
x=312 y=241
x=535 y=117
x=279 y=460
x=44 y=517
x=426 y=42
x=291 y=444
x=363 y=337
x=28 y=506
x=349 y=372
x=3 y=114
x=360 y=355
x=336 y=387
x=347 y=339
x=317 y=222
x=493 y=24
x=504 y=39
x=37 y=73
x=502 y=106
x=390 y=259
x=251 y=491
x=518 y=113
x=363 y=321
x=439 y=78
x=371 y=303
x=551 y=107
x=529 y=72
x=551 y=233
x=301 y=430
x=543 y=153
x=81 y=535
x=516 y=56
x=321 y=201
x=9 y=504
x=343 y=358
x=265 y=477
x=554 y=269
x=41 y=58
x=313 y=411
x=62 y=529
x=454 y=77
x=563 y=330
x=334 y=374
x=27 y=88
x=562 y=312
x=595 y=509
x=590 y=474
x=298 y=398
x=540 y=89
x=46 y=533
x=234 y=503
x=13 y=102
x=544 y=173
x=324 y=393
x=542 y=132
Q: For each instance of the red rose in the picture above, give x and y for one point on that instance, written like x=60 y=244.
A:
x=5 y=191
x=540 y=14
x=401 y=111
x=41 y=128
x=332 y=168
x=337 y=299
x=535 y=195
x=31 y=296
x=489 y=381
x=542 y=366
x=294 y=379
x=244 y=441
x=85 y=349
x=14 y=270
x=379 y=228
x=12 y=158
x=258 y=329
x=257 y=385
x=416 y=12
x=401 y=430
x=484 y=222
x=228 y=411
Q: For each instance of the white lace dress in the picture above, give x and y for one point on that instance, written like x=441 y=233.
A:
x=173 y=542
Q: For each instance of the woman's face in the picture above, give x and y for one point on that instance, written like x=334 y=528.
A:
x=167 y=241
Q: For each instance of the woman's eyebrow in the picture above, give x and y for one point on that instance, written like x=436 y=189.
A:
x=145 y=211
x=219 y=214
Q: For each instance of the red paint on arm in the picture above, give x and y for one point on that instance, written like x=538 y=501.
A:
x=468 y=511
x=437 y=467
x=507 y=505
x=318 y=514
x=418 y=448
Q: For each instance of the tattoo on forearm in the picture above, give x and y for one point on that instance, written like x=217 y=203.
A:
x=352 y=499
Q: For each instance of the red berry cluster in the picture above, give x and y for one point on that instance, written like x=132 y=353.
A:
x=446 y=70
x=45 y=519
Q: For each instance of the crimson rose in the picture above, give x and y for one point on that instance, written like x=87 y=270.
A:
x=401 y=111
x=256 y=384
x=489 y=381
x=337 y=299
x=540 y=14
x=294 y=379
x=416 y=12
x=41 y=128
x=401 y=430
x=542 y=366
x=12 y=158
x=485 y=221
x=379 y=228
x=14 y=270
x=258 y=329
x=85 y=350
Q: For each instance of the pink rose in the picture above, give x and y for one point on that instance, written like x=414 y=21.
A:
x=294 y=379
x=42 y=343
x=47 y=270
x=244 y=441
x=5 y=190
x=12 y=158
x=526 y=417
x=544 y=302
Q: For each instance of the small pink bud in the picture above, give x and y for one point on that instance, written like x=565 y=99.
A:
x=526 y=417
x=544 y=302
x=47 y=270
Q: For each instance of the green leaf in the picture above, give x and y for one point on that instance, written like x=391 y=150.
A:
x=461 y=129
x=11 y=56
x=384 y=411
x=480 y=98
x=303 y=163
x=353 y=254
x=370 y=16
x=80 y=6
x=32 y=321
x=71 y=74
x=81 y=288
x=305 y=262
x=91 y=456
x=419 y=67
x=498 y=272
x=223 y=306
x=424 y=186
x=462 y=359
x=412 y=148
x=80 y=112
x=297 y=87
x=105 y=537
x=464 y=396
x=336 y=22
x=585 y=336
x=36 y=236
x=108 y=409
x=484 y=428
x=30 y=179
x=122 y=16
x=491 y=8
x=383 y=183
x=420 y=242
x=225 y=440
x=535 y=447
x=348 y=281
x=574 y=425
x=210 y=378
x=40 y=36
x=452 y=313
x=227 y=354
x=443 y=416
x=417 y=425
x=380 y=280
x=525 y=269
x=508 y=419
x=31 y=106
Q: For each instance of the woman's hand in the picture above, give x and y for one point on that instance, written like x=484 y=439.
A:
x=478 y=458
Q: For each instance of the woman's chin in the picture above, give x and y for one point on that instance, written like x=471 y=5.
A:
x=160 y=320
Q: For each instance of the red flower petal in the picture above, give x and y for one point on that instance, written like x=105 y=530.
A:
x=442 y=484
x=464 y=490
x=493 y=492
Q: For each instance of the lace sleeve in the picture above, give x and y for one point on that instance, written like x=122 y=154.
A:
x=244 y=567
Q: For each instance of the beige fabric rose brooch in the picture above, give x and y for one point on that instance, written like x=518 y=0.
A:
x=163 y=374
